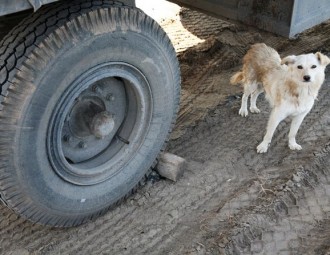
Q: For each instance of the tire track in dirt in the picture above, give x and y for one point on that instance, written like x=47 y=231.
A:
x=319 y=112
x=207 y=135
x=174 y=211
x=317 y=240
x=297 y=212
x=309 y=150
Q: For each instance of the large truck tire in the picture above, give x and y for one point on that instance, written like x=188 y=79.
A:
x=89 y=94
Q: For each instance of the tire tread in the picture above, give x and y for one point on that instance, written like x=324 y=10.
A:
x=30 y=34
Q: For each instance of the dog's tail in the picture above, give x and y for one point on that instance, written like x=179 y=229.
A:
x=237 y=78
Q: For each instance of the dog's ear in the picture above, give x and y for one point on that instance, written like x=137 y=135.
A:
x=289 y=60
x=323 y=59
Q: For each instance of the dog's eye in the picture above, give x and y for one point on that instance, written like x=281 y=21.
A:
x=299 y=67
x=313 y=66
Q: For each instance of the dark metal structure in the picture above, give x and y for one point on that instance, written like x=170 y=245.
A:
x=284 y=17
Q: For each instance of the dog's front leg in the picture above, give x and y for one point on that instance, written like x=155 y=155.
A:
x=254 y=97
x=243 y=111
x=295 y=124
x=276 y=116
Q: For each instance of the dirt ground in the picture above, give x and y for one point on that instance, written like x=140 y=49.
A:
x=230 y=199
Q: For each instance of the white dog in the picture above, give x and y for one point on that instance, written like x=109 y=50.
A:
x=291 y=85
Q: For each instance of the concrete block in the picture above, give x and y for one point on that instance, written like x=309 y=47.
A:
x=170 y=166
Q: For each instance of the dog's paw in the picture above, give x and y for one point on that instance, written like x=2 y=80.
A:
x=263 y=147
x=254 y=109
x=295 y=146
x=243 y=112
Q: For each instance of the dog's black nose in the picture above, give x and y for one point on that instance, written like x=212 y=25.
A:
x=307 y=78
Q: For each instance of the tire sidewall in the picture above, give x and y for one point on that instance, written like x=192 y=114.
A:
x=44 y=187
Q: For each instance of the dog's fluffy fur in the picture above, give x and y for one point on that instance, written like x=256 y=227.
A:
x=291 y=85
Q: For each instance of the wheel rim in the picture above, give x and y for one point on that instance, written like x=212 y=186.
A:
x=99 y=123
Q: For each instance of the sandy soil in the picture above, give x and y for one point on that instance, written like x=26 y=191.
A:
x=230 y=200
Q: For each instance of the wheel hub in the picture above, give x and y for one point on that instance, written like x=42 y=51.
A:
x=93 y=120
x=99 y=123
x=102 y=124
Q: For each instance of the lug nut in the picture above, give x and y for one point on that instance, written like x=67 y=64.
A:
x=96 y=89
x=82 y=145
x=66 y=138
x=110 y=97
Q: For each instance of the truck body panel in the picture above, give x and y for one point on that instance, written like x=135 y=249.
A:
x=285 y=17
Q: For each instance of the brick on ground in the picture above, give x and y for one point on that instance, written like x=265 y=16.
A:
x=170 y=166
